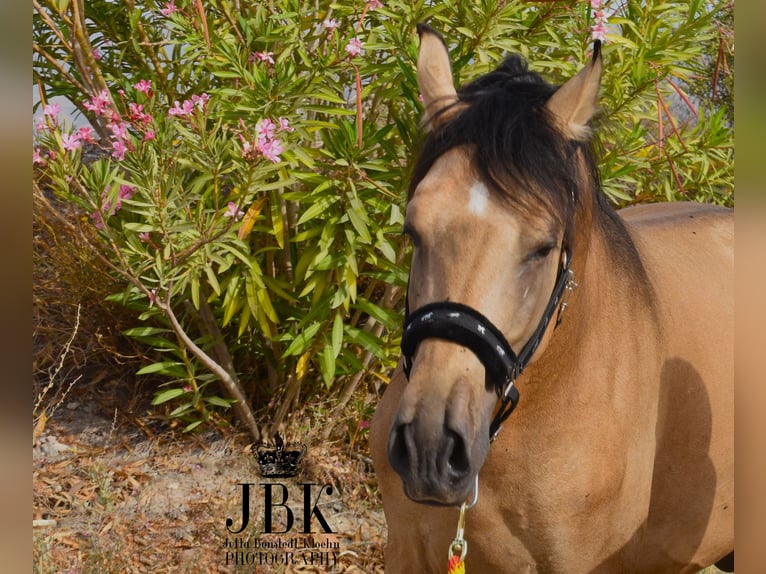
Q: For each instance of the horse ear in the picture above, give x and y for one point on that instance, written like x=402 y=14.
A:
x=434 y=72
x=574 y=103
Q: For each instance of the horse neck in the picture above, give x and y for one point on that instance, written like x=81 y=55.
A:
x=612 y=283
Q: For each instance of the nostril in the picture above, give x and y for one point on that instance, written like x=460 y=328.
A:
x=458 y=456
x=398 y=450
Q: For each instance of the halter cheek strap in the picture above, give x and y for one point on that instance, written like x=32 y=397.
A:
x=466 y=326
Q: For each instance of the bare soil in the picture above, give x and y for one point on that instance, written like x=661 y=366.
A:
x=112 y=496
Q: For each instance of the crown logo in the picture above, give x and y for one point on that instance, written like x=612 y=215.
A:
x=280 y=460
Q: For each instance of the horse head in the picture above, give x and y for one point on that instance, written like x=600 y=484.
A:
x=494 y=201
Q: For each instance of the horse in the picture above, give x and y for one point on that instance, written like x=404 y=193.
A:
x=565 y=365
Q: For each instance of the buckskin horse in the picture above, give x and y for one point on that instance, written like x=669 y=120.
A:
x=611 y=330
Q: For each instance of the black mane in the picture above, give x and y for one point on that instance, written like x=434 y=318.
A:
x=501 y=117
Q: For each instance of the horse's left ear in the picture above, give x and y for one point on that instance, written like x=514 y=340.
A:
x=574 y=103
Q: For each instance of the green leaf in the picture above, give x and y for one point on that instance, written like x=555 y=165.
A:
x=170 y=368
x=167 y=395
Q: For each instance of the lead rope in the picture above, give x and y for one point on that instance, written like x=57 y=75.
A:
x=459 y=547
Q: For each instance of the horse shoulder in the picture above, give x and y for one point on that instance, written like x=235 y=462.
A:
x=687 y=250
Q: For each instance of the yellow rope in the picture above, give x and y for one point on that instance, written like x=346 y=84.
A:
x=455 y=565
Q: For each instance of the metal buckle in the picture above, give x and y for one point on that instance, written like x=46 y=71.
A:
x=571 y=285
x=459 y=546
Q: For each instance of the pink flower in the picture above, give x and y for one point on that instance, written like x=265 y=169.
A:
x=127 y=191
x=152 y=297
x=40 y=124
x=118 y=149
x=354 y=47
x=284 y=125
x=145 y=237
x=144 y=86
x=99 y=104
x=200 y=101
x=372 y=4
x=96 y=54
x=98 y=220
x=149 y=135
x=85 y=134
x=51 y=110
x=330 y=24
x=265 y=129
x=271 y=149
x=137 y=113
x=598 y=30
x=119 y=129
x=70 y=142
x=169 y=9
x=184 y=109
x=233 y=211
x=36 y=157
x=264 y=57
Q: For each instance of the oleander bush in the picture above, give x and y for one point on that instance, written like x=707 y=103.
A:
x=238 y=170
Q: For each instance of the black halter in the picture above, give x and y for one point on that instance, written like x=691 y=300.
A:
x=466 y=326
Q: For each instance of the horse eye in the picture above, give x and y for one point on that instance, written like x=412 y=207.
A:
x=541 y=252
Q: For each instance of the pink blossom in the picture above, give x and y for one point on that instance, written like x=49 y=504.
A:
x=264 y=57
x=70 y=142
x=372 y=4
x=119 y=129
x=265 y=129
x=96 y=54
x=149 y=135
x=40 y=124
x=284 y=125
x=184 y=109
x=233 y=211
x=51 y=110
x=169 y=9
x=98 y=220
x=99 y=104
x=145 y=237
x=200 y=101
x=598 y=30
x=152 y=297
x=137 y=113
x=144 y=86
x=354 y=47
x=126 y=191
x=85 y=134
x=37 y=158
x=330 y=23
x=118 y=149
x=271 y=149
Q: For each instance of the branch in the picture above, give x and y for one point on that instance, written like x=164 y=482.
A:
x=233 y=387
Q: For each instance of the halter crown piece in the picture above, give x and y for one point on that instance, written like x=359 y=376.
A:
x=466 y=326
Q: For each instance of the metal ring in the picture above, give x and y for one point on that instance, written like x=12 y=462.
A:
x=475 y=494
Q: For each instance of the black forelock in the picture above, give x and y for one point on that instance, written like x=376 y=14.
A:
x=515 y=147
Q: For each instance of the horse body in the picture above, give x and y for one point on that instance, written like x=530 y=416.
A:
x=619 y=457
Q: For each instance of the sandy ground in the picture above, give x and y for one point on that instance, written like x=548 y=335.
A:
x=111 y=497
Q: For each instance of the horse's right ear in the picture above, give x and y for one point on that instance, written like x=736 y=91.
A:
x=434 y=72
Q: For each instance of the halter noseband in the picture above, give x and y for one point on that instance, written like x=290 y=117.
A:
x=466 y=326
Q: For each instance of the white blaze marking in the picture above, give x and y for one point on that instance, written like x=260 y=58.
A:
x=479 y=198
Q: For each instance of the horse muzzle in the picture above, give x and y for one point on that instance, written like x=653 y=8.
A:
x=436 y=452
